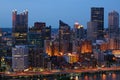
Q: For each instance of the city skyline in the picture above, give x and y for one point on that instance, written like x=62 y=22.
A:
x=53 y=11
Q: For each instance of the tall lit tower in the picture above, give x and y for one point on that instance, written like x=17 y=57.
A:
x=79 y=31
x=97 y=15
x=19 y=27
x=113 y=24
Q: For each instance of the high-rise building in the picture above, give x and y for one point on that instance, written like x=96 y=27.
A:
x=79 y=31
x=97 y=15
x=20 y=58
x=91 y=31
x=39 y=33
x=37 y=58
x=64 y=31
x=64 y=37
x=40 y=25
x=19 y=27
x=35 y=36
x=113 y=24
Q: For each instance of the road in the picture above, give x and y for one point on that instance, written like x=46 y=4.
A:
x=52 y=72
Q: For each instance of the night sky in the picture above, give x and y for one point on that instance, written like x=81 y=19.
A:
x=50 y=11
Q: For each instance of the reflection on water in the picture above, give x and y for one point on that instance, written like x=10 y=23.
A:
x=114 y=76
x=73 y=76
x=86 y=77
x=76 y=78
x=102 y=76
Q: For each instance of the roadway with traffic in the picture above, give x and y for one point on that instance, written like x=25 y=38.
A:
x=52 y=72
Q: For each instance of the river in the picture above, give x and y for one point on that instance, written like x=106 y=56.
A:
x=102 y=76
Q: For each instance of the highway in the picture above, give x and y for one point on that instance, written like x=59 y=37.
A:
x=52 y=72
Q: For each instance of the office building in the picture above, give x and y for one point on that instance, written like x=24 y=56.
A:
x=86 y=47
x=97 y=15
x=113 y=24
x=38 y=33
x=64 y=37
x=71 y=57
x=20 y=58
x=79 y=31
x=113 y=44
x=91 y=31
x=64 y=31
x=37 y=58
x=19 y=27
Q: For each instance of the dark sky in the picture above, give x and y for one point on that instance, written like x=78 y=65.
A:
x=50 y=11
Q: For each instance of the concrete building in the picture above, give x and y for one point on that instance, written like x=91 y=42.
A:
x=92 y=31
x=19 y=58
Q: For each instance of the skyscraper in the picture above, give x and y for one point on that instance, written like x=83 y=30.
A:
x=19 y=27
x=64 y=31
x=97 y=15
x=39 y=33
x=113 y=24
x=91 y=31
x=79 y=31
x=64 y=37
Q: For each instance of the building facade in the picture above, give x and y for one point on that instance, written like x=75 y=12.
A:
x=19 y=58
x=19 y=27
x=113 y=24
x=97 y=15
x=91 y=31
x=38 y=33
x=64 y=37
x=79 y=31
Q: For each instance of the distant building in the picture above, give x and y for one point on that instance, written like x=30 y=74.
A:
x=64 y=37
x=79 y=31
x=99 y=56
x=20 y=58
x=113 y=24
x=19 y=27
x=97 y=15
x=40 y=27
x=49 y=47
x=37 y=58
x=116 y=53
x=64 y=31
x=47 y=33
x=38 y=33
x=1 y=34
x=92 y=31
x=36 y=39
x=71 y=57
x=86 y=47
x=113 y=43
